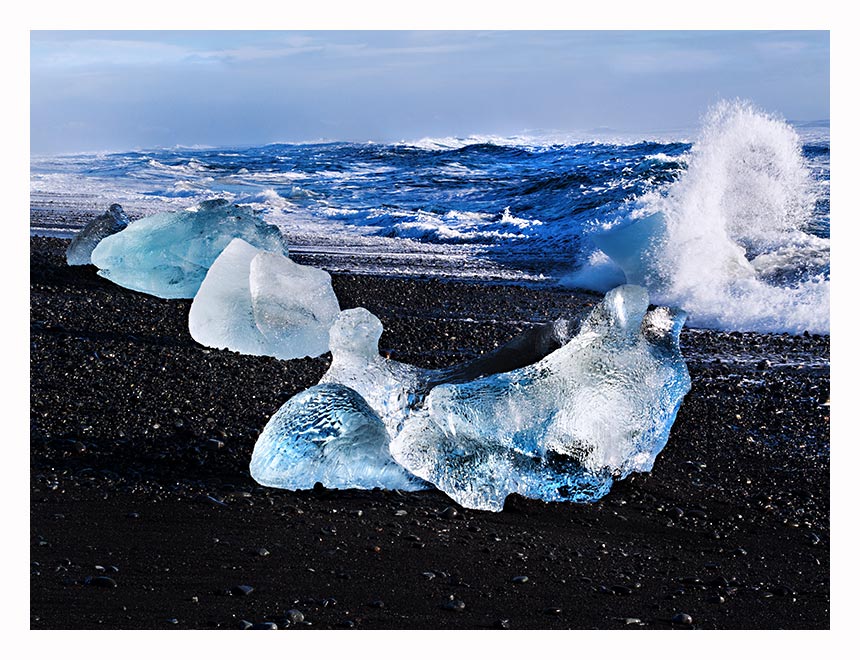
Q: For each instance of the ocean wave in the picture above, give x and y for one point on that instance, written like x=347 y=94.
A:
x=526 y=204
x=729 y=241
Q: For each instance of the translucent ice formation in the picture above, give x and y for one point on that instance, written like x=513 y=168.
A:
x=168 y=254
x=262 y=303
x=390 y=387
x=561 y=429
x=393 y=389
x=80 y=250
x=327 y=434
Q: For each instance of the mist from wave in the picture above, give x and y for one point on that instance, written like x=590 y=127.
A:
x=735 y=240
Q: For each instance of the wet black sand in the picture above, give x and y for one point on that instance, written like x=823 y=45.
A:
x=143 y=514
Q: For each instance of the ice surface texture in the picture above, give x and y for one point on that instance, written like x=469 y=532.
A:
x=80 y=250
x=563 y=428
x=391 y=388
x=261 y=303
x=168 y=254
x=327 y=434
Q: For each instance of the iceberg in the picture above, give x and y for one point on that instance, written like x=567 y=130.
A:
x=563 y=428
x=263 y=303
x=327 y=434
x=80 y=250
x=168 y=254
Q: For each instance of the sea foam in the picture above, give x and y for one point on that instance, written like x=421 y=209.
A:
x=729 y=241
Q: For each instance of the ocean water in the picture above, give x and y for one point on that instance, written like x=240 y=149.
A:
x=745 y=188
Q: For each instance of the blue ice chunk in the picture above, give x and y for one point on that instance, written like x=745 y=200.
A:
x=80 y=250
x=562 y=429
x=327 y=434
x=168 y=254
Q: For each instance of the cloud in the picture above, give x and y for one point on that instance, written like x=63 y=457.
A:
x=70 y=51
x=669 y=61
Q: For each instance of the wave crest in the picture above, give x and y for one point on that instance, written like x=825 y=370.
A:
x=728 y=240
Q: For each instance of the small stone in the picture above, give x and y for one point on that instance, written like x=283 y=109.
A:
x=716 y=599
x=378 y=604
x=262 y=552
x=449 y=513
x=244 y=625
x=631 y=621
x=520 y=579
x=101 y=581
x=241 y=590
x=676 y=512
x=813 y=538
x=401 y=512
x=172 y=621
x=553 y=611
x=265 y=625
x=682 y=619
x=455 y=605
x=134 y=515
x=294 y=617
x=502 y=624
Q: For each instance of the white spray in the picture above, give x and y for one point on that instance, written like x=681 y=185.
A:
x=727 y=231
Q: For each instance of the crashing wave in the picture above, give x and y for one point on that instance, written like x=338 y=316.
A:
x=729 y=241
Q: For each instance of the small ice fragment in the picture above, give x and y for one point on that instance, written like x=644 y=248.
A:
x=563 y=428
x=327 y=434
x=80 y=250
x=261 y=303
x=168 y=254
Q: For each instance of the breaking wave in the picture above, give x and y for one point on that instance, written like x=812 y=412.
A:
x=732 y=241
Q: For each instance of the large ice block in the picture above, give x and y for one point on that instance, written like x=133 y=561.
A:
x=262 y=303
x=80 y=250
x=327 y=434
x=564 y=428
x=393 y=389
x=168 y=254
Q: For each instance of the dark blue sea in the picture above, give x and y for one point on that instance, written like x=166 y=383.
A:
x=746 y=189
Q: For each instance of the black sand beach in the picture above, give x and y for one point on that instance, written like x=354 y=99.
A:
x=144 y=515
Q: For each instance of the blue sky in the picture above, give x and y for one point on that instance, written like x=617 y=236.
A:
x=92 y=91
